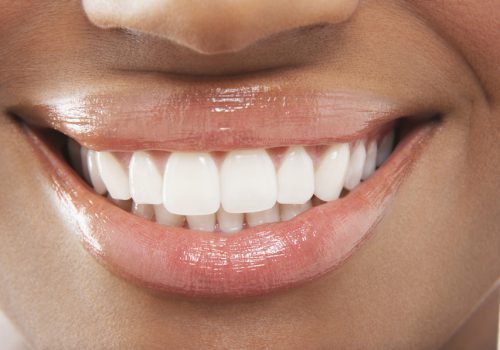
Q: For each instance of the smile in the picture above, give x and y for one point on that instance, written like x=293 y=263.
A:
x=256 y=192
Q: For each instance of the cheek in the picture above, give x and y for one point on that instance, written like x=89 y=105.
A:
x=14 y=12
x=472 y=28
x=479 y=19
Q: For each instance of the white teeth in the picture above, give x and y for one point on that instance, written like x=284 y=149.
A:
x=289 y=211
x=355 y=167
x=201 y=222
x=330 y=175
x=248 y=182
x=191 y=184
x=95 y=177
x=114 y=175
x=145 y=211
x=229 y=222
x=84 y=164
x=145 y=178
x=296 y=177
x=263 y=217
x=164 y=217
x=370 y=162
x=247 y=191
x=385 y=148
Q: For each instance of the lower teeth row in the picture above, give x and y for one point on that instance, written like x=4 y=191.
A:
x=228 y=192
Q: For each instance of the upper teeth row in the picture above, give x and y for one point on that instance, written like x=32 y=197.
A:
x=246 y=181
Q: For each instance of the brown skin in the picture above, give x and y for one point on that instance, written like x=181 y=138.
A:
x=432 y=259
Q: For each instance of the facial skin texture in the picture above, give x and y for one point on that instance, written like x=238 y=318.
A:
x=432 y=258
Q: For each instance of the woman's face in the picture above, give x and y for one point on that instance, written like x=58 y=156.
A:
x=220 y=76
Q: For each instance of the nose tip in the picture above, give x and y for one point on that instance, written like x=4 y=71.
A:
x=216 y=26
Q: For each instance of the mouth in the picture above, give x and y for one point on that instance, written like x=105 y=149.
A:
x=228 y=192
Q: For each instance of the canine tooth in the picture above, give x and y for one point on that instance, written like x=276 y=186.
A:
x=164 y=217
x=145 y=211
x=201 y=222
x=114 y=175
x=229 y=222
x=296 y=177
x=145 y=179
x=191 y=184
x=264 y=217
x=330 y=175
x=371 y=159
x=355 y=167
x=248 y=181
x=85 y=167
x=95 y=177
x=74 y=152
x=289 y=211
x=385 y=148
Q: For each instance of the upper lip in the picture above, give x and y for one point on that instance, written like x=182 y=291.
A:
x=211 y=118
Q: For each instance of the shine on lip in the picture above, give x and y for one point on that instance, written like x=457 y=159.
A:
x=214 y=119
x=256 y=261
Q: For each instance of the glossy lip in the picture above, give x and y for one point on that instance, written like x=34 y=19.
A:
x=215 y=119
x=253 y=262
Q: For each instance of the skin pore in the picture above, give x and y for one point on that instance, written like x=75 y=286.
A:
x=434 y=255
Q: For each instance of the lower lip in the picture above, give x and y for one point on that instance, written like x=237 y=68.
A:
x=255 y=261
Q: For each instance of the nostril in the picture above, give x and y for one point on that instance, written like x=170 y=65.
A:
x=218 y=26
